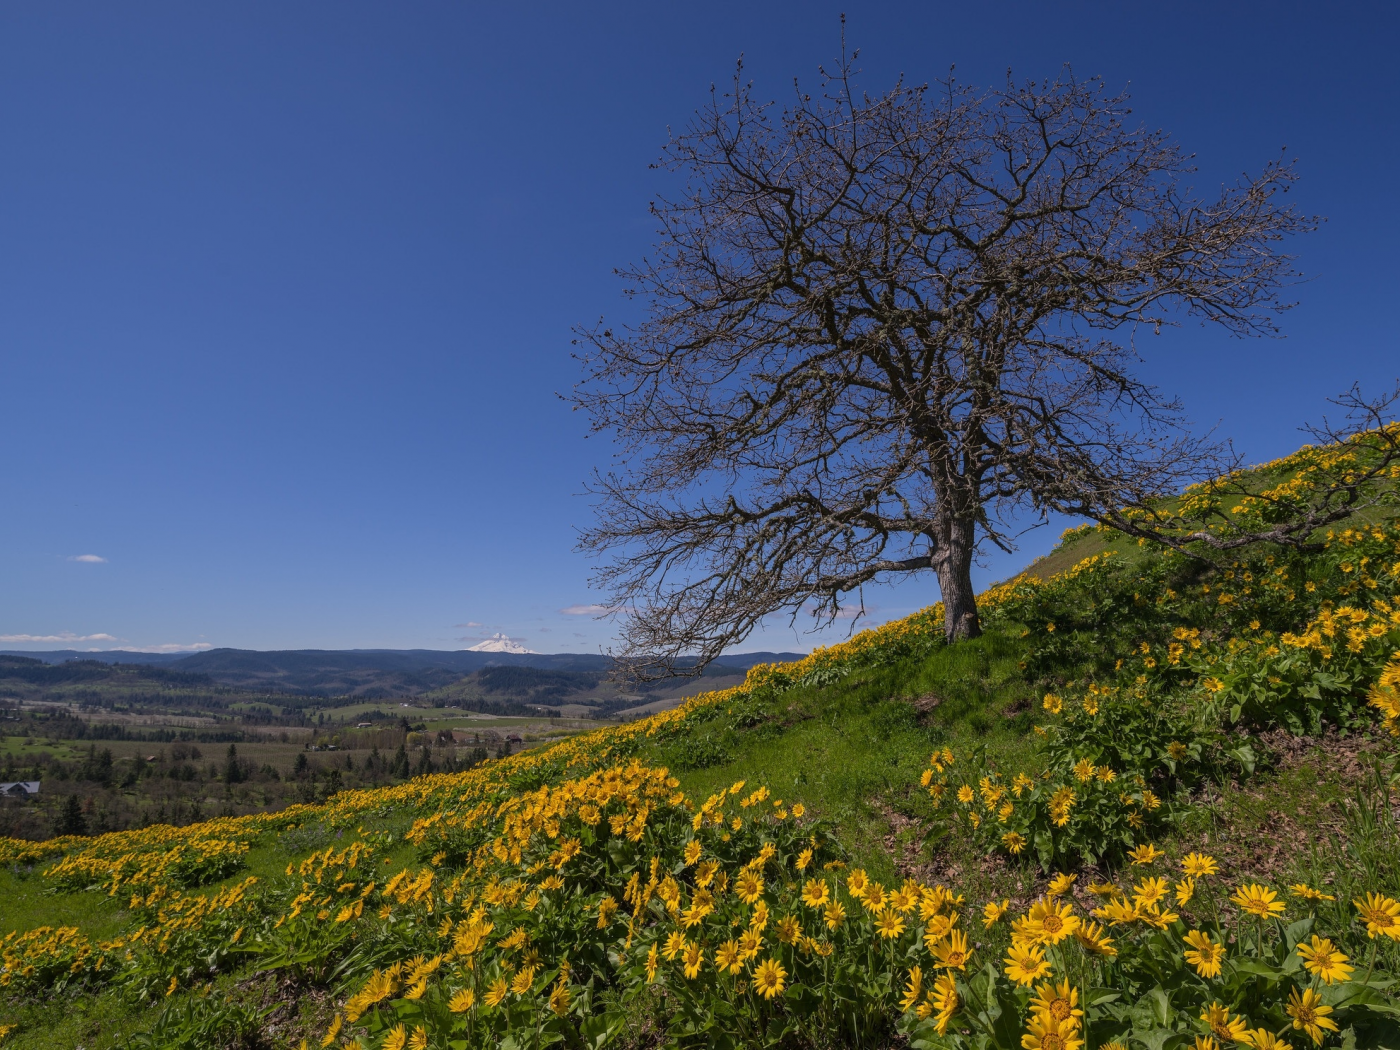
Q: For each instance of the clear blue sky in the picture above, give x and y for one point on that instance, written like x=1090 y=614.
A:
x=286 y=288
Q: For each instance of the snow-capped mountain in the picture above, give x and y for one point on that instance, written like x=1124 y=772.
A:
x=498 y=643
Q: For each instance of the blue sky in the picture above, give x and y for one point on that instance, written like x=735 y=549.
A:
x=286 y=288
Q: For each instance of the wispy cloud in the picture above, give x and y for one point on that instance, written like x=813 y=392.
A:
x=469 y=623
x=90 y=559
x=586 y=610
x=66 y=636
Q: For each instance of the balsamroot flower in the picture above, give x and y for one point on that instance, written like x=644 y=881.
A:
x=1320 y=957
x=770 y=978
x=1204 y=954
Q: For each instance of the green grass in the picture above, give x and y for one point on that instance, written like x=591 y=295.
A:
x=25 y=749
x=852 y=752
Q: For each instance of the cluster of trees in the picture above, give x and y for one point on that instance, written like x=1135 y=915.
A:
x=183 y=784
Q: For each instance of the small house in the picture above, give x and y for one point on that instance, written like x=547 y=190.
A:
x=19 y=788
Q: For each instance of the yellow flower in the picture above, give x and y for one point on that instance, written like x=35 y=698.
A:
x=913 y=991
x=799 y=811
x=750 y=943
x=1117 y=912
x=993 y=912
x=944 y=1000
x=1185 y=890
x=1026 y=965
x=460 y=1003
x=835 y=915
x=1303 y=890
x=1205 y=955
x=1059 y=1002
x=419 y=1039
x=1144 y=854
x=1045 y=1033
x=727 y=957
x=1156 y=918
x=396 y=1039
x=692 y=852
x=524 y=981
x=1263 y=1039
x=1224 y=1027
x=1309 y=1013
x=938 y=927
x=1257 y=900
x=651 y=964
x=965 y=794
x=889 y=923
x=1091 y=938
x=559 y=999
x=816 y=893
x=1014 y=843
x=759 y=919
x=748 y=886
x=1321 y=958
x=675 y=944
x=1060 y=885
x=953 y=953
x=1380 y=914
x=770 y=978
x=1198 y=865
x=693 y=959
x=788 y=929
x=1049 y=922
x=1149 y=891
x=332 y=1031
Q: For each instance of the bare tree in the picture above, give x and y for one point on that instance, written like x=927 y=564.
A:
x=877 y=330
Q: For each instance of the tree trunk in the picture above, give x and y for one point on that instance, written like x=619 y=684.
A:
x=954 y=565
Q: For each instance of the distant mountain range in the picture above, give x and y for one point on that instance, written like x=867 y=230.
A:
x=368 y=672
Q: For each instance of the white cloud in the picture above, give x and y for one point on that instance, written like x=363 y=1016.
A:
x=586 y=610
x=469 y=623
x=66 y=636
x=90 y=559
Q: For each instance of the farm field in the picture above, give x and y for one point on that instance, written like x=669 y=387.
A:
x=1153 y=805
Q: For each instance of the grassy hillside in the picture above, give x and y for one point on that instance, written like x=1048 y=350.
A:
x=1153 y=806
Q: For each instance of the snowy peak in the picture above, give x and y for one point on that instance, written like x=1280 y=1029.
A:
x=499 y=643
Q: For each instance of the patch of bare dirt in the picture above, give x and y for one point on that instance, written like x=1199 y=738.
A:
x=1292 y=827
x=926 y=703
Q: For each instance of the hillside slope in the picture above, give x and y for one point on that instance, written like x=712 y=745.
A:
x=1177 y=778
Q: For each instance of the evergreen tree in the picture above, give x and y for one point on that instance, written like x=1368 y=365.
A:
x=233 y=772
x=70 y=818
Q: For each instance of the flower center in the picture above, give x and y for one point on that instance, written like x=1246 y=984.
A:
x=1052 y=924
x=1059 y=1010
